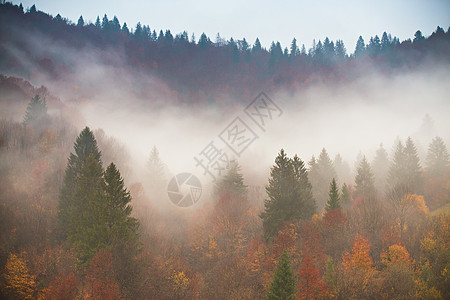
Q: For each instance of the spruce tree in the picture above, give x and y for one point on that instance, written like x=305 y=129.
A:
x=123 y=237
x=80 y=22
x=289 y=195
x=87 y=229
x=345 y=195
x=360 y=49
x=97 y=22
x=413 y=168
x=85 y=145
x=321 y=173
x=36 y=111
x=94 y=209
x=294 y=48
x=309 y=203
x=256 y=46
x=397 y=169
x=232 y=182
x=380 y=168
x=438 y=159
x=364 y=180
x=283 y=282
x=334 y=199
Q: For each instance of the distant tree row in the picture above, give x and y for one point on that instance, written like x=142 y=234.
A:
x=322 y=52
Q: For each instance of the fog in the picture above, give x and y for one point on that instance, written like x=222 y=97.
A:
x=352 y=118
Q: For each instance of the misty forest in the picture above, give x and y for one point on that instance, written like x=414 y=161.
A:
x=344 y=194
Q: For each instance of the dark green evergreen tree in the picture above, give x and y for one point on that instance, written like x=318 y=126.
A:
x=418 y=37
x=294 y=48
x=386 y=42
x=125 y=28
x=364 y=180
x=85 y=145
x=340 y=51
x=122 y=229
x=105 y=23
x=289 y=195
x=80 y=22
x=283 y=282
x=97 y=22
x=256 y=46
x=115 y=24
x=360 y=49
x=334 y=199
x=203 y=41
x=328 y=50
x=87 y=227
x=309 y=204
x=438 y=159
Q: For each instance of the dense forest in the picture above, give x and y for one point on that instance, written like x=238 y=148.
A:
x=78 y=221
x=202 y=68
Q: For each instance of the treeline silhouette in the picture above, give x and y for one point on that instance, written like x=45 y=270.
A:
x=191 y=65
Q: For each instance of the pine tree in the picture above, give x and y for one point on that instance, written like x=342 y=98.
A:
x=283 y=282
x=232 y=182
x=340 y=51
x=381 y=168
x=36 y=111
x=418 y=37
x=413 y=170
x=94 y=209
x=289 y=195
x=397 y=169
x=345 y=195
x=438 y=159
x=203 y=41
x=256 y=46
x=309 y=204
x=85 y=145
x=321 y=173
x=115 y=24
x=157 y=175
x=364 y=180
x=123 y=237
x=334 y=199
x=294 y=48
x=97 y=22
x=87 y=229
x=360 y=49
x=125 y=28
x=80 y=22
x=105 y=23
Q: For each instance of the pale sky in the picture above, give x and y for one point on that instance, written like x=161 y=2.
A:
x=268 y=20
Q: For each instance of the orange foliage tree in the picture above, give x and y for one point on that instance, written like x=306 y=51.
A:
x=101 y=283
x=311 y=285
x=357 y=271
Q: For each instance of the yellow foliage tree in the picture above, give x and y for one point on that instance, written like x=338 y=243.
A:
x=358 y=273
x=395 y=255
x=18 y=279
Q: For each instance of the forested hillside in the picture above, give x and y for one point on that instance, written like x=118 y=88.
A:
x=83 y=216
